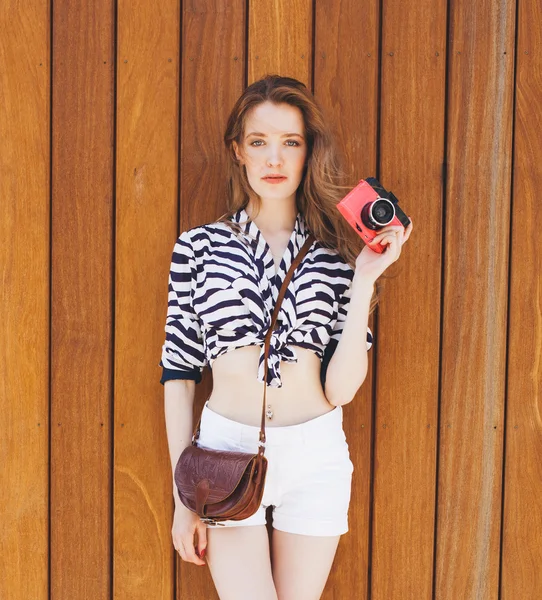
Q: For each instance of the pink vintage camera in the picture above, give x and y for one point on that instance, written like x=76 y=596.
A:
x=368 y=208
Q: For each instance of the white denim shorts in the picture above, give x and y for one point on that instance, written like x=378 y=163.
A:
x=309 y=471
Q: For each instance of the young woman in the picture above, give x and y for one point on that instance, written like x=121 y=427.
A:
x=224 y=280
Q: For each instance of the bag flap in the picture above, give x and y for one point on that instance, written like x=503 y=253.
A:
x=223 y=470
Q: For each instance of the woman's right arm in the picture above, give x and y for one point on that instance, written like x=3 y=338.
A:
x=178 y=403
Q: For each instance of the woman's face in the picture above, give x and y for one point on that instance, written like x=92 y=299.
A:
x=274 y=144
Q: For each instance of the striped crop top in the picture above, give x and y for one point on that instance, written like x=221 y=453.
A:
x=223 y=287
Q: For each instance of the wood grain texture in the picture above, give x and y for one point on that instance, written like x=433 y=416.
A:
x=481 y=50
x=213 y=61
x=280 y=39
x=148 y=84
x=24 y=299
x=407 y=337
x=82 y=215
x=170 y=116
x=522 y=522
x=346 y=86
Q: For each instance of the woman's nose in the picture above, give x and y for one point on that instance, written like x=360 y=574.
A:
x=274 y=156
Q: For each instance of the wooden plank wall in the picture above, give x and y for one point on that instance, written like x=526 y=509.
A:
x=111 y=123
x=406 y=426
x=522 y=509
x=25 y=178
x=346 y=83
x=475 y=298
x=82 y=303
x=146 y=167
x=213 y=67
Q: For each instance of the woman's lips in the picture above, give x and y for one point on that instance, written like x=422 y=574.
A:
x=274 y=179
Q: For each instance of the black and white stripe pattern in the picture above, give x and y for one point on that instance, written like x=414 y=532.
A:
x=222 y=290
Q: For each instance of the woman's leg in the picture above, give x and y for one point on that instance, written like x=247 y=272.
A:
x=301 y=564
x=239 y=561
x=312 y=511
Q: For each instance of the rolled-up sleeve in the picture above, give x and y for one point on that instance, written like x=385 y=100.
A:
x=183 y=355
x=338 y=327
x=344 y=302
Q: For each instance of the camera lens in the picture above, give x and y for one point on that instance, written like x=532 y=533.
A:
x=378 y=213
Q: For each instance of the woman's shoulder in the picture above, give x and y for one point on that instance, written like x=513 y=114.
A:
x=206 y=240
x=214 y=231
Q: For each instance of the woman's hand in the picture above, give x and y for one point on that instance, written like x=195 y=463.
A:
x=370 y=264
x=185 y=525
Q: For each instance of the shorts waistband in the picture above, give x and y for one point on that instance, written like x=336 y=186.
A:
x=327 y=425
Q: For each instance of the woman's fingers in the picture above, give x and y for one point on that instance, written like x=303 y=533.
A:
x=185 y=525
x=386 y=234
x=390 y=238
x=388 y=231
x=184 y=545
x=408 y=231
x=188 y=552
x=202 y=539
x=393 y=247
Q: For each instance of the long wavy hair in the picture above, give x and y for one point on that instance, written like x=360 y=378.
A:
x=324 y=182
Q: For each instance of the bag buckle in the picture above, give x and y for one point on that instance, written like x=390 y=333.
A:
x=211 y=521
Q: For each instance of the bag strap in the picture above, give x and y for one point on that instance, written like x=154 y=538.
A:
x=295 y=263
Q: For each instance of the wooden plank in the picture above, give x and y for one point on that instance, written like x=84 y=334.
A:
x=213 y=62
x=24 y=298
x=81 y=300
x=407 y=337
x=346 y=86
x=280 y=39
x=522 y=523
x=481 y=51
x=148 y=82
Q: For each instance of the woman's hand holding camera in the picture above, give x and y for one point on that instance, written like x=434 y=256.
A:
x=370 y=264
x=185 y=525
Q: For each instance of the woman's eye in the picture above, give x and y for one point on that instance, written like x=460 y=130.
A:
x=293 y=142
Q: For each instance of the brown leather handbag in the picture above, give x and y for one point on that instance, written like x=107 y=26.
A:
x=221 y=485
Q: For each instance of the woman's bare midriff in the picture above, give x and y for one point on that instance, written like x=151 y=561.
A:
x=238 y=395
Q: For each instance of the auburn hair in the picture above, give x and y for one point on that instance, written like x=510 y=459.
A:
x=323 y=183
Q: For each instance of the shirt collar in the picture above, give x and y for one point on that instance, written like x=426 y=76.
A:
x=254 y=236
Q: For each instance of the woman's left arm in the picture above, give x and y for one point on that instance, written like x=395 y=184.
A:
x=348 y=366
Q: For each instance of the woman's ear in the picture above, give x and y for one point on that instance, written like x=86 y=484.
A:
x=236 y=150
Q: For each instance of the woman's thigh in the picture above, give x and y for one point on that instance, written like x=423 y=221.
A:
x=301 y=564
x=239 y=561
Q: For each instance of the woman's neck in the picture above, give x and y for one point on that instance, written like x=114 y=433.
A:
x=275 y=216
